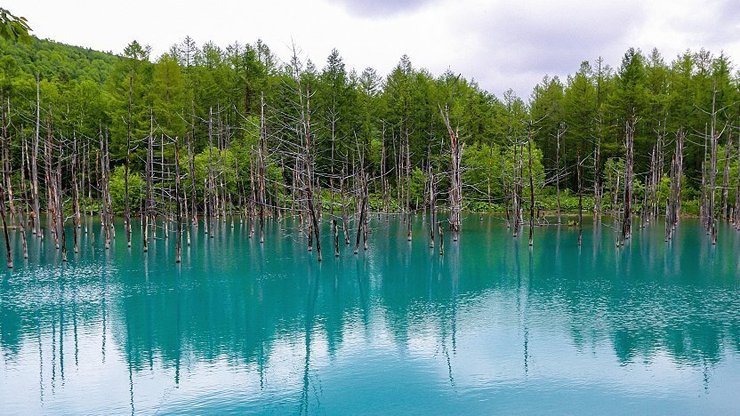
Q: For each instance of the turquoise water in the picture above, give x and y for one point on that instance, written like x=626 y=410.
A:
x=489 y=328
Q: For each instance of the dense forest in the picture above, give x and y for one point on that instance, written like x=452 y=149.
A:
x=203 y=134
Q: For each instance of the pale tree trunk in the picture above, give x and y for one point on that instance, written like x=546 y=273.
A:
x=713 y=139
x=193 y=198
x=558 y=136
x=34 y=164
x=105 y=214
x=737 y=190
x=628 y=175
x=60 y=196
x=597 y=176
x=148 y=204
x=432 y=205
x=455 y=174
x=8 y=251
x=24 y=220
x=579 y=172
x=363 y=202
x=407 y=166
x=127 y=208
x=75 y=196
x=306 y=136
x=7 y=161
x=531 y=187
x=261 y=149
x=726 y=177
x=51 y=188
x=178 y=189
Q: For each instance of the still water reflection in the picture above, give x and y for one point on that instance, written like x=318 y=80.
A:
x=490 y=327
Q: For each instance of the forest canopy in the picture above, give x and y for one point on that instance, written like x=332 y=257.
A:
x=236 y=127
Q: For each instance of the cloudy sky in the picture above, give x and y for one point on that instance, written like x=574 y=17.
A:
x=501 y=44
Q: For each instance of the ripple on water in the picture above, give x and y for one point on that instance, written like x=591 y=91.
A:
x=490 y=327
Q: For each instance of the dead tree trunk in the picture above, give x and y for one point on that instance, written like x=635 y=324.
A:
x=178 y=188
x=531 y=186
x=34 y=164
x=335 y=230
x=208 y=194
x=407 y=166
x=261 y=149
x=59 y=201
x=726 y=177
x=432 y=205
x=105 y=214
x=579 y=172
x=713 y=139
x=149 y=172
x=383 y=172
x=597 y=175
x=7 y=161
x=455 y=174
x=75 y=195
x=24 y=193
x=193 y=198
x=558 y=136
x=306 y=136
x=628 y=173
x=8 y=251
x=345 y=221
x=737 y=190
x=441 y=235
x=704 y=193
x=127 y=208
x=362 y=196
x=673 y=213
x=507 y=194
x=50 y=182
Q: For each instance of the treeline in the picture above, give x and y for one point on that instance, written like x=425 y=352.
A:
x=209 y=133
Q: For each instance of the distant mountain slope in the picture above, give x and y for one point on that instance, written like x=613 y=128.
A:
x=54 y=60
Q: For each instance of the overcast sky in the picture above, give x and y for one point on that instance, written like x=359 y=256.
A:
x=501 y=44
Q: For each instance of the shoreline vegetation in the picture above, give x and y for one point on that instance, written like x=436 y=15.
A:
x=203 y=134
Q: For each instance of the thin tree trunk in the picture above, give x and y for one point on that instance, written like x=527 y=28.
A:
x=8 y=251
x=127 y=208
x=597 y=176
x=178 y=239
x=531 y=188
x=75 y=196
x=455 y=175
x=559 y=134
x=726 y=177
x=713 y=139
x=628 y=172
x=24 y=193
x=148 y=173
x=579 y=172
x=34 y=164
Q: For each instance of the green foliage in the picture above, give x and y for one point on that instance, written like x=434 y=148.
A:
x=210 y=98
x=136 y=189
x=13 y=27
x=168 y=96
x=483 y=171
x=219 y=163
x=613 y=177
x=55 y=61
x=568 y=202
x=417 y=186
x=511 y=171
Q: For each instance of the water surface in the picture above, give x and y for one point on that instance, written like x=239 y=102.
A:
x=490 y=327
